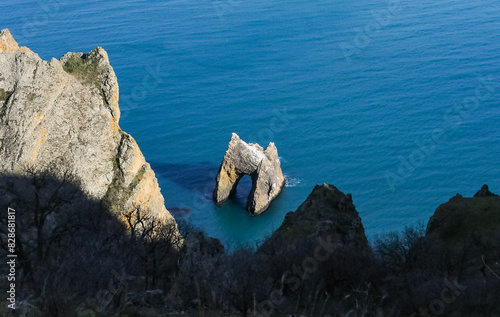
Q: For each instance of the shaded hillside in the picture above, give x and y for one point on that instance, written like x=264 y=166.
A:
x=74 y=256
x=326 y=213
x=461 y=218
x=318 y=263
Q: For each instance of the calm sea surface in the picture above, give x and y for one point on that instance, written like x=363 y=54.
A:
x=396 y=102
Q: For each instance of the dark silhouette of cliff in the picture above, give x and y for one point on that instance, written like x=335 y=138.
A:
x=73 y=254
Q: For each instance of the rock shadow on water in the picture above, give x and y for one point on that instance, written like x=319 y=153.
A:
x=197 y=177
x=179 y=212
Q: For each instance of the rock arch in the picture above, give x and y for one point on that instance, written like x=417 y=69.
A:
x=250 y=159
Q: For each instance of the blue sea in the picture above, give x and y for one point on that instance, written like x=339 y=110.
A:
x=396 y=102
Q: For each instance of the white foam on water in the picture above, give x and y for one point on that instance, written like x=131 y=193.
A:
x=292 y=181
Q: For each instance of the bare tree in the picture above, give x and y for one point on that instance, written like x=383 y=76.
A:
x=155 y=241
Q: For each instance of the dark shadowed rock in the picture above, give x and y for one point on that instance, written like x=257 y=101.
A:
x=250 y=159
x=198 y=243
x=328 y=214
x=485 y=192
x=199 y=270
x=461 y=217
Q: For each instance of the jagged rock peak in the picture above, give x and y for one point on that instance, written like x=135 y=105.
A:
x=250 y=159
x=327 y=213
x=7 y=42
x=63 y=114
x=485 y=192
x=94 y=68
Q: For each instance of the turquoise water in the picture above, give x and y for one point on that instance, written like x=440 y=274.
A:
x=396 y=102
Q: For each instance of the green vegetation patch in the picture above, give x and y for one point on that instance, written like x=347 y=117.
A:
x=84 y=69
x=31 y=96
x=137 y=178
x=75 y=65
x=118 y=193
x=4 y=95
x=113 y=199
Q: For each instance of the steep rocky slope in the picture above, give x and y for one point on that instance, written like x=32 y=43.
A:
x=62 y=116
x=327 y=213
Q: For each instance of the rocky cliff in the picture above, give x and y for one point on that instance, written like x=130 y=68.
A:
x=63 y=116
x=327 y=213
x=459 y=219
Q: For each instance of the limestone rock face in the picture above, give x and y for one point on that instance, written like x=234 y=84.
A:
x=7 y=42
x=64 y=114
x=326 y=214
x=251 y=159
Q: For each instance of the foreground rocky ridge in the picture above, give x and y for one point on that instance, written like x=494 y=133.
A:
x=327 y=213
x=461 y=218
x=63 y=116
x=319 y=263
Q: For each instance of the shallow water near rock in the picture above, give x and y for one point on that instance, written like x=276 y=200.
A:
x=395 y=102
